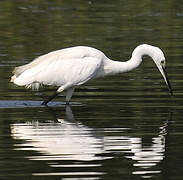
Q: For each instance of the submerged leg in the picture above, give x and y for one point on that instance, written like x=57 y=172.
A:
x=69 y=93
x=45 y=102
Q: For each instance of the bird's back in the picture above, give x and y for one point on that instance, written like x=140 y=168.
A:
x=63 y=54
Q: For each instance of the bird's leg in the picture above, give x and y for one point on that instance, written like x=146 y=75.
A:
x=69 y=93
x=51 y=111
x=50 y=98
x=67 y=103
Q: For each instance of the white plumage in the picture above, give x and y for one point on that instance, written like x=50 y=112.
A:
x=71 y=67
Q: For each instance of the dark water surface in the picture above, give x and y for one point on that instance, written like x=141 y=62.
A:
x=120 y=127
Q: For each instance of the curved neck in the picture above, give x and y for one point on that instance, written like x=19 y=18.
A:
x=134 y=61
x=142 y=50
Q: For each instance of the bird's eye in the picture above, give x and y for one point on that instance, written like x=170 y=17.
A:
x=163 y=62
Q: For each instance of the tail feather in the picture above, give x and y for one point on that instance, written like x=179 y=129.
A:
x=13 y=78
x=17 y=72
x=26 y=75
x=20 y=69
x=25 y=80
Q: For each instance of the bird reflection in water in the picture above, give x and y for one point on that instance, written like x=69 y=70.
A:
x=67 y=139
x=64 y=139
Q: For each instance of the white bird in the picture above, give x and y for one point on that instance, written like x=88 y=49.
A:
x=70 y=67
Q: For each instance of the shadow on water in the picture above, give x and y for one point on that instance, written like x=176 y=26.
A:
x=73 y=149
x=25 y=104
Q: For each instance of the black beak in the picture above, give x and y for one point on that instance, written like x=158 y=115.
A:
x=167 y=81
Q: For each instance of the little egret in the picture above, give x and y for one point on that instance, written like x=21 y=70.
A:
x=71 y=67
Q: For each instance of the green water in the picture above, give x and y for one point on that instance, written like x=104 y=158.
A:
x=121 y=127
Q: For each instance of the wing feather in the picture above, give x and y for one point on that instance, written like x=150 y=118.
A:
x=73 y=71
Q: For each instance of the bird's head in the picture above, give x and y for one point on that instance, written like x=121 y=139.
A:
x=159 y=59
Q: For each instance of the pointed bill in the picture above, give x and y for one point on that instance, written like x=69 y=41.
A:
x=165 y=76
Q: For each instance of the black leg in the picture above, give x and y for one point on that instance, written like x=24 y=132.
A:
x=67 y=103
x=50 y=98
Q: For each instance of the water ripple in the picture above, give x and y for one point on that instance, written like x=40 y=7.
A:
x=70 y=141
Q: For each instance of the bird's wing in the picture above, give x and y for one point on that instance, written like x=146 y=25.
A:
x=68 y=72
x=62 y=54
